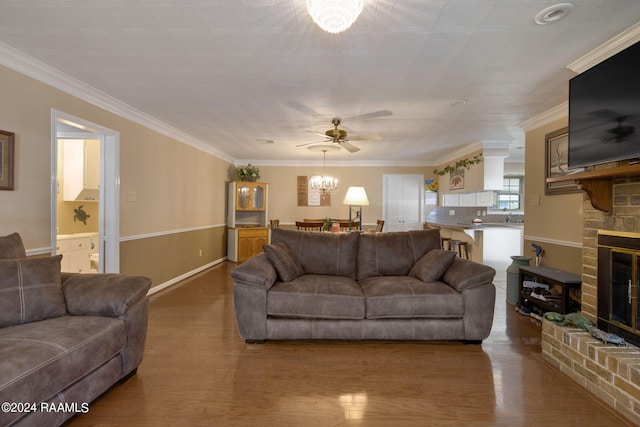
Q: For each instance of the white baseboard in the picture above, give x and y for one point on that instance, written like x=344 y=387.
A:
x=184 y=276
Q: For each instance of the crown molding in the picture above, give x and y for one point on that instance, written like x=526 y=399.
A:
x=556 y=113
x=607 y=49
x=335 y=163
x=38 y=70
x=459 y=153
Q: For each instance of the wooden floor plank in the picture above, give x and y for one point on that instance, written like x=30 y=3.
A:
x=197 y=371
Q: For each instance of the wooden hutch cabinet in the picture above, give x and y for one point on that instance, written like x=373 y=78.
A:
x=247 y=227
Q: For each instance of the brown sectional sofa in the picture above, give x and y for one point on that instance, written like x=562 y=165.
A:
x=388 y=286
x=64 y=338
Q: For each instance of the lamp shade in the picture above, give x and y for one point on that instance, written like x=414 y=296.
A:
x=356 y=196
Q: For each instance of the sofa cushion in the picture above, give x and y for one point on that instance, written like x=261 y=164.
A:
x=407 y=297
x=324 y=253
x=42 y=358
x=30 y=290
x=393 y=253
x=432 y=265
x=464 y=274
x=11 y=246
x=284 y=261
x=316 y=297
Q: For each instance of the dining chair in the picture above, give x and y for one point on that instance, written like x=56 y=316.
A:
x=275 y=223
x=344 y=225
x=379 y=225
x=309 y=226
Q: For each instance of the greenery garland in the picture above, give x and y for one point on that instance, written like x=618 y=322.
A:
x=464 y=163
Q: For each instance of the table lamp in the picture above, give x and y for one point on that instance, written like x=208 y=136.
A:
x=356 y=197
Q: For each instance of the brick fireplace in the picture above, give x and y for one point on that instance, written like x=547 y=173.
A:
x=611 y=373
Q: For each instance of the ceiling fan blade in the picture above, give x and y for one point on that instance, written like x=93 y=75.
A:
x=318 y=133
x=365 y=138
x=348 y=146
x=310 y=143
x=368 y=116
x=300 y=107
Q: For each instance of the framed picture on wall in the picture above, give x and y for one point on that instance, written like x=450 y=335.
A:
x=456 y=180
x=6 y=160
x=557 y=163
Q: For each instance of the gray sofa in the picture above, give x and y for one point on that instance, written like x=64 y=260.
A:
x=64 y=338
x=385 y=286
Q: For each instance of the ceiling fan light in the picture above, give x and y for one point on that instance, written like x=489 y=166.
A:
x=334 y=16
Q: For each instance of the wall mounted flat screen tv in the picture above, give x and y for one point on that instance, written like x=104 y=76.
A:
x=604 y=111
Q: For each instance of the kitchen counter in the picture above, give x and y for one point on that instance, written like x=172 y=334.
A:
x=472 y=226
x=491 y=244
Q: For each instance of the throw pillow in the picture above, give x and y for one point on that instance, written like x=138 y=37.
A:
x=30 y=290
x=432 y=265
x=11 y=246
x=284 y=261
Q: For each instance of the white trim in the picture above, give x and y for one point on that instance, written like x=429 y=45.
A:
x=607 y=49
x=338 y=163
x=169 y=232
x=29 y=66
x=556 y=113
x=184 y=276
x=460 y=152
x=554 y=241
x=39 y=251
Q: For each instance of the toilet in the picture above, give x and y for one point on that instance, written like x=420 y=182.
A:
x=95 y=261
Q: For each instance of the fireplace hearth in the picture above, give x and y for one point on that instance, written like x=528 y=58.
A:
x=618 y=284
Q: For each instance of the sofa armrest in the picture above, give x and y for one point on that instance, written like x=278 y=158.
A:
x=109 y=295
x=463 y=274
x=256 y=271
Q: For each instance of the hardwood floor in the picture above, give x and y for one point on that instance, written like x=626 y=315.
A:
x=197 y=371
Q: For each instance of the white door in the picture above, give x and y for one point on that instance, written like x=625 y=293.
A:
x=403 y=197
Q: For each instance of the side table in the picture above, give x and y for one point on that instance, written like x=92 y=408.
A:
x=551 y=277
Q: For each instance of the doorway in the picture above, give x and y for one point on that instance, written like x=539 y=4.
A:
x=403 y=196
x=84 y=194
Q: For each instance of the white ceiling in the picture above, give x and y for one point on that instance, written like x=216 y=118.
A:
x=230 y=73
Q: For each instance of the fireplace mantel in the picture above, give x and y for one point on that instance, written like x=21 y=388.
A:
x=598 y=184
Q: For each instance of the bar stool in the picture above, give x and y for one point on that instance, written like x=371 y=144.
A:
x=461 y=247
x=446 y=240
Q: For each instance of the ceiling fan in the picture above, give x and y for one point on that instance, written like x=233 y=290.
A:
x=340 y=137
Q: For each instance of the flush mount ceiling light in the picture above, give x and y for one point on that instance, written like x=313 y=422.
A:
x=553 y=13
x=334 y=16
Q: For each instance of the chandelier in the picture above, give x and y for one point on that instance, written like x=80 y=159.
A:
x=323 y=183
x=334 y=16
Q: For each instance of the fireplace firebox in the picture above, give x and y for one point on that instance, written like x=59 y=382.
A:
x=618 y=283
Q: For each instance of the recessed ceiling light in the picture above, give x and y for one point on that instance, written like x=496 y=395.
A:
x=553 y=13
x=456 y=102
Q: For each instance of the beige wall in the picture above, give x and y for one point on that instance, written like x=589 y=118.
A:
x=69 y=224
x=473 y=177
x=283 y=190
x=552 y=221
x=178 y=187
